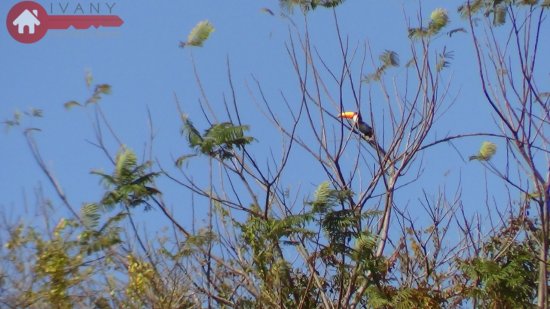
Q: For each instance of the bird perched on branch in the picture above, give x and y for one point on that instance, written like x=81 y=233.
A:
x=364 y=130
x=358 y=125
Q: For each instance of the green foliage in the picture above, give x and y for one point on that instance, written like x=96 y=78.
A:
x=444 y=60
x=57 y=264
x=264 y=235
x=89 y=214
x=18 y=117
x=498 y=9
x=339 y=225
x=308 y=5
x=474 y=6
x=309 y=256
x=263 y=238
x=199 y=34
x=96 y=237
x=218 y=141
x=348 y=247
x=486 y=152
x=130 y=182
x=97 y=95
x=507 y=281
x=438 y=20
x=404 y=297
x=324 y=198
x=388 y=59
x=499 y=15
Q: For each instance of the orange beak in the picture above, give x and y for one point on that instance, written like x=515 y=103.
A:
x=347 y=115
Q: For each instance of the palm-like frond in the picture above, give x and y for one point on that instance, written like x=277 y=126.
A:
x=217 y=141
x=130 y=182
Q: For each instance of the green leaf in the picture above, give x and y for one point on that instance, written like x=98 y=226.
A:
x=416 y=33
x=103 y=89
x=308 y=5
x=126 y=161
x=439 y=19
x=322 y=198
x=390 y=58
x=199 y=34
x=217 y=141
x=475 y=6
x=444 y=60
x=499 y=15
x=193 y=136
x=486 y=152
x=71 y=104
x=182 y=159
x=90 y=215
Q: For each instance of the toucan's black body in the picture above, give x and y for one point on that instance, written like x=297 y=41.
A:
x=364 y=129
x=358 y=125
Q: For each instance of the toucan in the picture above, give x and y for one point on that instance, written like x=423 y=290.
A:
x=364 y=130
x=358 y=125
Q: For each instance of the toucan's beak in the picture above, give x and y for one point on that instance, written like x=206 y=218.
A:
x=348 y=115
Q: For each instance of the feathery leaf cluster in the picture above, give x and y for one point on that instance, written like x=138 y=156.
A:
x=439 y=18
x=199 y=34
x=220 y=140
x=486 y=152
x=130 y=181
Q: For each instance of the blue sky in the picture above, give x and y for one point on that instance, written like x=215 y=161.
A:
x=146 y=68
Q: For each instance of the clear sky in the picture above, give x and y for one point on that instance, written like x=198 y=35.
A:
x=147 y=69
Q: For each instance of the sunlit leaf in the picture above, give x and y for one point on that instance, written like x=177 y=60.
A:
x=471 y=7
x=89 y=214
x=486 y=152
x=103 y=89
x=182 y=159
x=199 y=34
x=439 y=19
x=71 y=104
x=499 y=17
